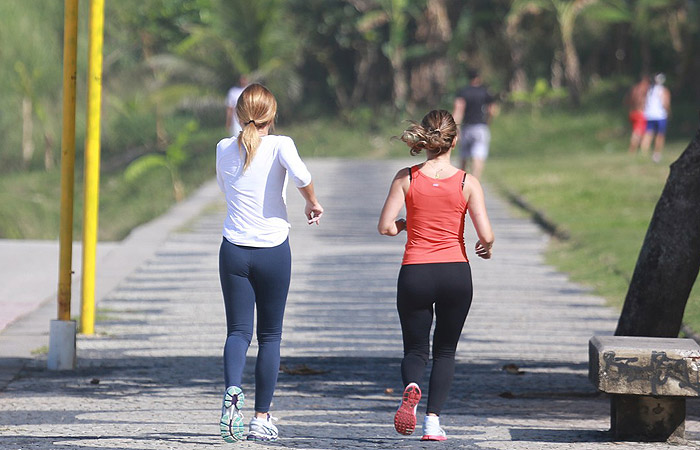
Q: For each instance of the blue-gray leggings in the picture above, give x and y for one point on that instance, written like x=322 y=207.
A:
x=254 y=277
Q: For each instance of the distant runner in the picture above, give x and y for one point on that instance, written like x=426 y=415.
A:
x=635 y=100
x=656 y=111
x=474 y=107
x=232 y=124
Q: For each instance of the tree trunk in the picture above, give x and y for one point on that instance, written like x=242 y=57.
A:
x=48 y=152
x=161 y=134
x=518 y=80
x=27 y=131
x=395 y=50
x=335 y=80
x=572 y=68
x=366 y=58
x=682 y=44
x=567 y=13
x=557 y=73
x=670 y=257
x=429 y=75
x=645 y=51
x=400 y=84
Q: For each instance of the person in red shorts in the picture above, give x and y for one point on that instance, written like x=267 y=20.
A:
x=635 y=101
x=435 y=276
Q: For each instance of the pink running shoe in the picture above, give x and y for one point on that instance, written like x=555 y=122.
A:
x=405 y=418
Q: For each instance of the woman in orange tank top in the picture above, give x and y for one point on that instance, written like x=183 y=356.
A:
x=435 y=274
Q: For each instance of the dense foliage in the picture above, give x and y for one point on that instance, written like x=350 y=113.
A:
x=168 y=61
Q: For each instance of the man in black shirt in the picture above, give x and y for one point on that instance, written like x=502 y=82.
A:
x=473 y=108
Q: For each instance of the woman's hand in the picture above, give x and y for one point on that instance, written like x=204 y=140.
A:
x=483 y=251
x=313 y=212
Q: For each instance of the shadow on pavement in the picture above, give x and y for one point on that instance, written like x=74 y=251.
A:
x=329 y=402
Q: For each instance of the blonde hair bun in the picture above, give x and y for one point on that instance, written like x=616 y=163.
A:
x=435 y=134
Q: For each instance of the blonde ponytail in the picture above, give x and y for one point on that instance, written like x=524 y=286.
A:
x=248 y=142
x=256 y=108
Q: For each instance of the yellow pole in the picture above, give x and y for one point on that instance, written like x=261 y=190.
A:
x=70 y=51
x=92 y=166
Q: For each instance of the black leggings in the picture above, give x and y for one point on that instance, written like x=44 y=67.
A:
x=448 y=286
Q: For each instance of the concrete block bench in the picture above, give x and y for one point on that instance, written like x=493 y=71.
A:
x=648 y=380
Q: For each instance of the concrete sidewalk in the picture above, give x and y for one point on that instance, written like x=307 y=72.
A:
x=29 y=278
x=152 y=377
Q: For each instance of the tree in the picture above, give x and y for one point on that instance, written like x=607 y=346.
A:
x=567 y=12
x=430 y=72
x=243 y=37
x=172 y=159
x=669 y=260
x=518 y=82
x=157 y=26
x=395 y=14
x=340 y=53
x=30 y=77
x=667 y=25
x=362 y=47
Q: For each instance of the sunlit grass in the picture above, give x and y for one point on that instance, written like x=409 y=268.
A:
x=30 y=201
x=333 y=137
x=574 y=166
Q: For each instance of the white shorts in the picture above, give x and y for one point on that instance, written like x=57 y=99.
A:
x=474 y=141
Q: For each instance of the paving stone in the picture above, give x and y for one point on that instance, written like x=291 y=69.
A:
x=152 y=377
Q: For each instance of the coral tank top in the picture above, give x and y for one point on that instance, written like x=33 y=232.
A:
x=435 y=210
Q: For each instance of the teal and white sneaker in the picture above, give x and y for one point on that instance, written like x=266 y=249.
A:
x=231 y=417
x=263 y=429
x=432 y=431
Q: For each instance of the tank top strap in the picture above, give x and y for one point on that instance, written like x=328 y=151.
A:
x=412 y=172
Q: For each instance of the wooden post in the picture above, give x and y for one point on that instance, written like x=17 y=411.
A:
x=62 y=334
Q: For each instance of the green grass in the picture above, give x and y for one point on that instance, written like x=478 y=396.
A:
x=43 y=350
x=571 y=164
x=29 y=205
x=574 y=166
x=336 y=138
x=30 y=201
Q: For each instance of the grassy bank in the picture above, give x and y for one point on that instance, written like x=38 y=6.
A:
x=574 y=166
x=30 y=201
x=571 y=164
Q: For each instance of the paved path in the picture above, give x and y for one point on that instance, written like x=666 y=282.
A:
x=152 y=377
x=29 y=278
x=28 y=274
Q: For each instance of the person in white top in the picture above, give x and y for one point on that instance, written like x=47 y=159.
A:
x=656 y=110
x=232 y=124
x=254 y=259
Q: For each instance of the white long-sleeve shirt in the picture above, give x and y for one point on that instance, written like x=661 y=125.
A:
x=256 y=199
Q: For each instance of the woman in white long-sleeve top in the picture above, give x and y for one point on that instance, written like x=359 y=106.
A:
x=254 y=259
